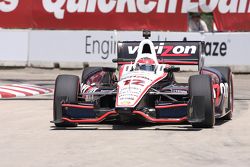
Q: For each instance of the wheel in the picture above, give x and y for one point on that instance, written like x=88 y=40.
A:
x=228 y=76
x=66 y=89
x=201 y=85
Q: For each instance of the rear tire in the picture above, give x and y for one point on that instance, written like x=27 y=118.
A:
x=66 y=89
x=227 y=74
x=201 y=85
x=106 y=78
x=88 y=72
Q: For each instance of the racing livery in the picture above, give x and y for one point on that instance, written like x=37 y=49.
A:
x=145 y=88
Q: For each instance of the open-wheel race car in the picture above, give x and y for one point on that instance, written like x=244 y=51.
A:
x=145 y=88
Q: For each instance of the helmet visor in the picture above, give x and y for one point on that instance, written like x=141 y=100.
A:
x=147 y=67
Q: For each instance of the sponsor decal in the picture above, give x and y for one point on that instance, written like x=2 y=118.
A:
x=125 y=103
x=163 y=50
x=133 y=86
x=221 y=89
x=179 y=91
x=224 y=89
x=88 y=89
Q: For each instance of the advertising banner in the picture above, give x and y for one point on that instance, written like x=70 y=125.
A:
x=232 y=22
x=16 y=13
x=101 y=46
x=109 y=15
x=163 y=15
x=233 y=15
x=72 y=46
x=227 y=49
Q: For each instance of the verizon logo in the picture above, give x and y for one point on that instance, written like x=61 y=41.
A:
x=59 y=7
x=168 y=50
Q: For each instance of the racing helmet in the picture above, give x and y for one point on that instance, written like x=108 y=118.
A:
x=146 y=64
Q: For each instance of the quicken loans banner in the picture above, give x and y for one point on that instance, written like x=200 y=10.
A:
x=164 y=15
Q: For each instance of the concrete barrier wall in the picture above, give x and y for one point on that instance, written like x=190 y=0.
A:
x=75 y=49
x=14 y=46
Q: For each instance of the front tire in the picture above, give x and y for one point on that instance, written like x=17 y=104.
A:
x=66 y=90
x=201 y=85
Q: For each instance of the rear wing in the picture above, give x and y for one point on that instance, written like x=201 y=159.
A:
x=168 y=52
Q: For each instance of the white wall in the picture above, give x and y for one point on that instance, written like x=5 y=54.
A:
x=14 y=47
x=71 y=49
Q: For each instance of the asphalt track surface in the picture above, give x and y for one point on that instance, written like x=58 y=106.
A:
x=27 y=138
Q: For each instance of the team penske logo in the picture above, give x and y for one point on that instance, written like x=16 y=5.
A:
x=168 y=50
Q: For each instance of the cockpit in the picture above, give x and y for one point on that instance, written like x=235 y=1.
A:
x=145 y=64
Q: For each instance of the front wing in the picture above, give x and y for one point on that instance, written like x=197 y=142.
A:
x=174 y=112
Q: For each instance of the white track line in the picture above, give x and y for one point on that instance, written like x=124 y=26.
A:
x=12 y=92
x=35 y=87
x=21 y=89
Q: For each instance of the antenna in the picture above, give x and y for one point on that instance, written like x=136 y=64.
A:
x=146 y=34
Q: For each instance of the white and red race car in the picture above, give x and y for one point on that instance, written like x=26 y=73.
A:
x=146 y=89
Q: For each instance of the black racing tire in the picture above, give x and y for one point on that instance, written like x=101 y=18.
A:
x=88 y=72
x=228 y=77
x=201 y=85
x=66 y=89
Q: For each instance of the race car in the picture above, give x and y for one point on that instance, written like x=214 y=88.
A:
x=145 y=88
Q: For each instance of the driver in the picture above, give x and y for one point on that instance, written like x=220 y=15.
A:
x=146 y=64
